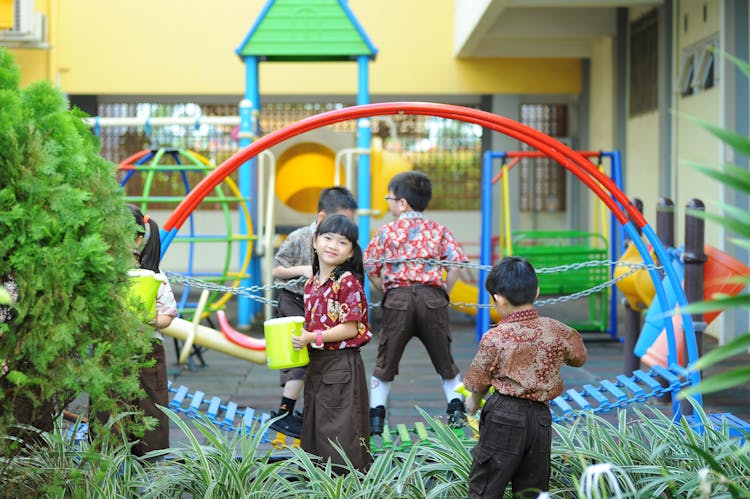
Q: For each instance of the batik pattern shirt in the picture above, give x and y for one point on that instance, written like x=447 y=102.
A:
x=296 y=250
x=335 y=302
x=410 y=237
x=522 y=357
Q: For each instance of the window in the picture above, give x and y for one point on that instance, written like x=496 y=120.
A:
x=687 y=69
x=543 y=180
x=698 y=70
x=644 y=63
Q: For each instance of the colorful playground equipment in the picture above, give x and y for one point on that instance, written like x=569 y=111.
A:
x=719 y=269
x=629 y=219
x=559 y=248
x=211 y=338
x=144 y=287
x=323 y=159
x=155 y=167
x=303 y=169
x=277 y=36
x=637 y=287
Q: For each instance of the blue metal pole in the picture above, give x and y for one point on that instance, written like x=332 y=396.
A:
x=363 y=172
x=615 y=238
x=363 y=142
x=485 y=245
x=248 y=185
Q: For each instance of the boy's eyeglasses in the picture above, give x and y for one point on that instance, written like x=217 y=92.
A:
x=388 y=198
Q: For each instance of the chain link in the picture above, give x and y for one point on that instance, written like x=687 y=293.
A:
x=248 y=292
x=256 y=292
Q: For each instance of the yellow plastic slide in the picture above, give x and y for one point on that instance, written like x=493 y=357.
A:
x=464 y=292
x=213 y=339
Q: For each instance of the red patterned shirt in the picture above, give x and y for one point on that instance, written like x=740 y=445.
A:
x=335 y=302
x=522 y=357
x=409 y=237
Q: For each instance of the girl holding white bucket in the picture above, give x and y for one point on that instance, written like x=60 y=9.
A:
x=336 y=390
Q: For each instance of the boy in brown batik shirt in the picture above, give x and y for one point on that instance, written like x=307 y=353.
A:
x=521 y=359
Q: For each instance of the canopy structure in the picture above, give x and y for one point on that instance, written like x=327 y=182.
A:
x=301 y=31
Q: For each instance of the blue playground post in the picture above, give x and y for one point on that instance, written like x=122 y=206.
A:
x=248 y=185
x=363 y=141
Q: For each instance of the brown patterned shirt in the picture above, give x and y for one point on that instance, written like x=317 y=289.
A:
x=296 y=250
x=522 y=357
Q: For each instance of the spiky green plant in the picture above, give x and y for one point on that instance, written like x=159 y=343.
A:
x=661 y=457
x=218 y=464
x=59 y=467
x=65 y=237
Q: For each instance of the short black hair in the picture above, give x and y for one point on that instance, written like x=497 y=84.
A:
x=515 y=279
x=335 y=199
x=339 y=224
x=415 y=187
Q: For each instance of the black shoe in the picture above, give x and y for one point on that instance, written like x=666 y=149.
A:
x=288 y=425
x=456 y=412
x=377 y=420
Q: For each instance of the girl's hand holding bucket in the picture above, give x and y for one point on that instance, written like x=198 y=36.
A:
x=303 y=339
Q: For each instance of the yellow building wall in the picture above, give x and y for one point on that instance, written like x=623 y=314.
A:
x=692 y=143
x=642 y=157
x=6 y=14
x=187 y=48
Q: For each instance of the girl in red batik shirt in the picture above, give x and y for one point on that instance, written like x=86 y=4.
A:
x=336 y=391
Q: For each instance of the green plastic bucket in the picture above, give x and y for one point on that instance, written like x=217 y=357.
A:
x=279 y=350
x=144 y=286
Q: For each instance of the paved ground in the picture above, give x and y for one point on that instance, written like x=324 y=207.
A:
x=256 y=386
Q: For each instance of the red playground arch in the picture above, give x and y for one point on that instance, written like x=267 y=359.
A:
x=601 y=185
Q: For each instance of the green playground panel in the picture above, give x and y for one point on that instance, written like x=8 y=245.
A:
x=400 y=437
x=546 y=249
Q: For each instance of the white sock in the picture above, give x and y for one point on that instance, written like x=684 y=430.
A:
x=379 y=392
x=449 y=387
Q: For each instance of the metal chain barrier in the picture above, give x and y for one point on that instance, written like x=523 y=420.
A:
x=256 y=292
x=249 y=292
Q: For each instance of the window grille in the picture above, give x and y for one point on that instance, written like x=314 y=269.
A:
x=644 y=63
x=542 y=181
x=448 y=151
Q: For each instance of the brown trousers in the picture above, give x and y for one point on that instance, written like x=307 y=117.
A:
x=515 y=442
x=153 y=381
x=420 y=311
x=337 y=408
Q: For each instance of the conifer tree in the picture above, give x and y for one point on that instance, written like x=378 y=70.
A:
x=66 y=238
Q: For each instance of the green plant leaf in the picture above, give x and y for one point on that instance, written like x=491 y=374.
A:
x=733 y=225
x=736 y=141
x=729 y=175
x=718 y=303
x=719 y=382
x=742 y=65
x=737 y=346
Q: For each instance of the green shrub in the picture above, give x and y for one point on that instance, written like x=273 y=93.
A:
x=66 y=239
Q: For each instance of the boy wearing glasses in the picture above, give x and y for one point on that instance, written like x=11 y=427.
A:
x=404 y=261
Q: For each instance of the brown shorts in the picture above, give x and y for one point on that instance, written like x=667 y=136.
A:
x=420 y=311
x=290 y=304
